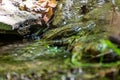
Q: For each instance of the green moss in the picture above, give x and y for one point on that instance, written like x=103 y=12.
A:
x=5 y=27
x=99 y=12
x=118 y=3
x=52 y=61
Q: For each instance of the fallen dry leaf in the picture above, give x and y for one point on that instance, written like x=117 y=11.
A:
x=44 y=4
x=49 y=4
x=43 y=7
x=52 y=3
x=48 y=15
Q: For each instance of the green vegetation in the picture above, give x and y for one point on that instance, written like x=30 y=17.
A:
x=76 y=48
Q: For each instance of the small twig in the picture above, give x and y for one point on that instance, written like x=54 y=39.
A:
x=113 y=12
x=100 y=55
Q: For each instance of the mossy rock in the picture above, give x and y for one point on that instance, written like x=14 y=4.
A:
x=100 y=13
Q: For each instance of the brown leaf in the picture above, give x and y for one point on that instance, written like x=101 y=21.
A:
x=44 y=4
x=49 y=5
x=52 y=3
x=48 y=15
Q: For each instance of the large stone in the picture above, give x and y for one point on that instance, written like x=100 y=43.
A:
x=12 y=18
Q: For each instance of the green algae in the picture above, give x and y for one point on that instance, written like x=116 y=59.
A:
x=71 y=50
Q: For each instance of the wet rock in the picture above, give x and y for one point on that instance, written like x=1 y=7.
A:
x=12 y=18
x=67 y=11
